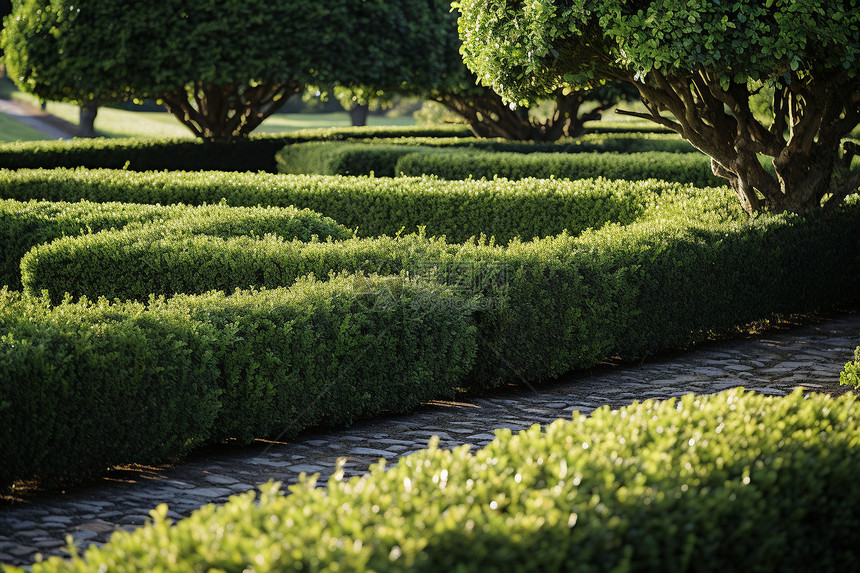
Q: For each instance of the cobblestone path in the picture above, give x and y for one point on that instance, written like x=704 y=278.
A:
x=773 y=363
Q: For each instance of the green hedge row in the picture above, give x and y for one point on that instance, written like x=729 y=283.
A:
x=25 y=225
x=850 y=376
x=141 y=383
x=381 y=156
x=374 y=206
x=548 y=306
x=348 y=158
x=692 y=168
x=729 y=482
x=255 y=153
x=343 y=158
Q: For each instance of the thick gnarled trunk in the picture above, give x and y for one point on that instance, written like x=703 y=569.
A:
x=221 y=112
x=488 y=116
x=810 y=164
x=87 y=121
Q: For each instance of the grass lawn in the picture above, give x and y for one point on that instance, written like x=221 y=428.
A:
x=120 y=123
x=13 y=130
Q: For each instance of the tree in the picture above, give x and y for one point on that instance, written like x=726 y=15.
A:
x=5 y=10
x=702 y=62
x=412 y=47
x=220 y=66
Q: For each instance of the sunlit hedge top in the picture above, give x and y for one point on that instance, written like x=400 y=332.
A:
x=524 y=48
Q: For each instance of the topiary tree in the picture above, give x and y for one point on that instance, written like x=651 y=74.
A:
x=488 y=115
x=220 y=66
x=5 y=10
x=411 y=47
x=702 y=62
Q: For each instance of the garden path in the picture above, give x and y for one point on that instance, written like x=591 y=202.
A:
x=775 y=363
x=46 y=123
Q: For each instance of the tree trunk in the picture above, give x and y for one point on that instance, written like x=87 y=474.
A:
x=223 y=112
x=488 y=116
x=811 y=167
x=86 y=125
x=358 y=114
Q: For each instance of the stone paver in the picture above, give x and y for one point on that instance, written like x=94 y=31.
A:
x=776 y=363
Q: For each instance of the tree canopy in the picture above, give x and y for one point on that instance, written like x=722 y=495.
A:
x=221 y=66
x=412 y=47
x=701 y=62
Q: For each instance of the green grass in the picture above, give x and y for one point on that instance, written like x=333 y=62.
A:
x=121 y=123
x=286 y=122
x=13 y=130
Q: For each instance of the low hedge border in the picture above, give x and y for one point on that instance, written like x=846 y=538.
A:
x=144 y=382
x=729 y=482
x=25 y=225
x=380 y=156
x=555 y=304
x=343 y=158
x=458 y=210
x=691 y=168
x=255 y=153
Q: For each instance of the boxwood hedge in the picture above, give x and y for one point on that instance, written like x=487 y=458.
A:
x=594 y=142
x=693 y=168
x=729 y=482
x=381 y=156
x=553 y=304
x=144 y=382
x=24 y=225
x=374 y=206
x=342 y=158
x=84 y=386
x=255 y=153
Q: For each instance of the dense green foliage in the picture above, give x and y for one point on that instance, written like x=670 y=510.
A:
x=698 y=67
x=515 y=46
x=381 y=156
x=141 y=383
x=622 y=142
x=221 y=68
x=250 y=154
x=851 y=375
x=547 y=306
x=462 y=164
x=375 y=206
x=132 y=386
x=729 y=482
x=255 y=153
x=342 y=158
x=25 y=225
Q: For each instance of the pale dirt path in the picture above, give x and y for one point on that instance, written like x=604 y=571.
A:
x=50 y=125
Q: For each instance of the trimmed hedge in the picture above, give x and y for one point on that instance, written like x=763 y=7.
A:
x=729 y=482
x=25 y=225
x=374 y=206
x=140 y=383
x=137 y=263
x=85 y=386
x=380 y=156
x=255 y=153
x=550 y=305
x=342 y=158
x=850 y=376
x=689 y=168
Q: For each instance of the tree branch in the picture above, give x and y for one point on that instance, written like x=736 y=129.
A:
x=657 y=118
